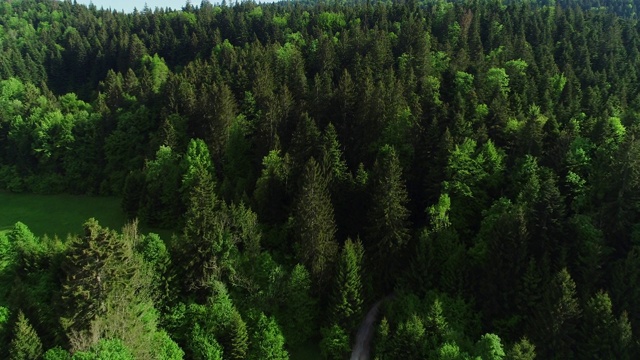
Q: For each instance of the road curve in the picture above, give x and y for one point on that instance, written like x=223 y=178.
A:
x=362 y=347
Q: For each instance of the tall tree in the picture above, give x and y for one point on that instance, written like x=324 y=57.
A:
x=315 y=225
x=347 y=295
x=388 y=219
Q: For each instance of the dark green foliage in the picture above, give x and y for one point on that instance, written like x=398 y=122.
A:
x=316 y=246
x=601 y=333
x=388 y=230
x=202 y=242
x=557 y=320
x=301 y=308
x=485 y=152
x=522 y=350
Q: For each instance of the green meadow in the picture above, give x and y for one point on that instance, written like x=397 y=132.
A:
x=59 y=215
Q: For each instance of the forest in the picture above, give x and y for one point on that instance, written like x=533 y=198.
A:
x=473 y=164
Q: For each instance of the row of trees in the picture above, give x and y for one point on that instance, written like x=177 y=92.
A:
x=478 y=160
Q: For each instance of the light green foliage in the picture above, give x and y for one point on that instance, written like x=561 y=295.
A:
x=463 y=82
x=267 y=341
x=347 y=298
x=30 y=252
x=557 y=83
x=489 y=347
x=158 y=71
x=217 y=324
x=280 y=20
x=113 y=349
x=335 y=343
x=516 y=67
x=57 y=353
x=498 y=81
x=439 y=214
x=196 y=162
x=203 y=346
x=256 y=12
x=25 y=344
x=469 y=168
x=332 y=21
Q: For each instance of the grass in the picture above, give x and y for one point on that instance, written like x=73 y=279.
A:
x=61 y=214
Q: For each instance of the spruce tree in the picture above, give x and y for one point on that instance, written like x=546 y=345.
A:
x=315 y=224
x=203 y=247
x=26 y=344
x=347 y=297
x=388 y=230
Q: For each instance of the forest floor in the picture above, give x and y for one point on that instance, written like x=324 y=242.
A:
x=61 y=214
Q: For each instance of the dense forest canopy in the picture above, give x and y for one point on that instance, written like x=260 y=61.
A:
x=476 y=164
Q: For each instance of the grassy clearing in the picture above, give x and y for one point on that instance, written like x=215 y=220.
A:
x=61 y=214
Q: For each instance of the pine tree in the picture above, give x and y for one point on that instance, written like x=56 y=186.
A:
x=26 y=344
x=347 y=297
x=388 y=230
x=315 y=224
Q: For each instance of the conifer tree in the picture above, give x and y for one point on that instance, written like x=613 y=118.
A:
x=557 y=320
x=388 y=232
x=300 y=311
x=88 y=273
x=26 y=344
x=600 y=331
x=315 y=224
x=347 y=296
x=203 y=246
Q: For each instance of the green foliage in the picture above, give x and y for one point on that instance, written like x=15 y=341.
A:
x=300 y=311
x=268 y=342
x=57 y=353
x=489 y=347
x=522 y=350
x=513 y=124
x=315 y=224
x=348 y=296
x=25 y=344
x=388 y=231
x=335 y=343
x=105 y=349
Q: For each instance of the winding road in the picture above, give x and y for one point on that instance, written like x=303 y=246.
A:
x=362 y=347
